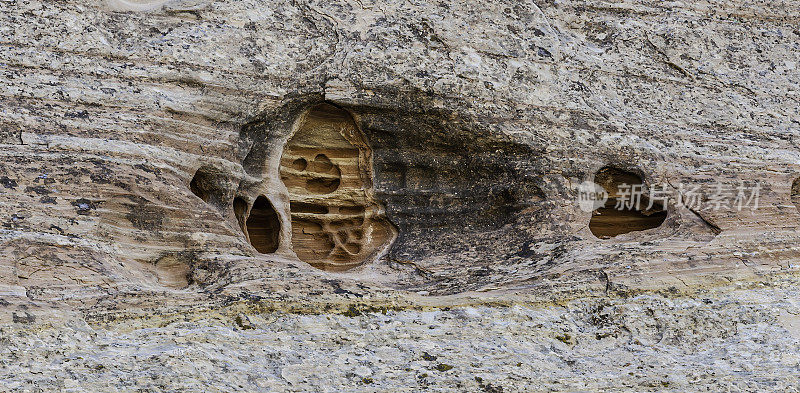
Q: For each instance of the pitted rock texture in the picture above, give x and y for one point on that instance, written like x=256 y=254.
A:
x=739 y=340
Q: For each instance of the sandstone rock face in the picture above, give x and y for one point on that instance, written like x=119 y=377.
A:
x=313 y=156
x=138 y=131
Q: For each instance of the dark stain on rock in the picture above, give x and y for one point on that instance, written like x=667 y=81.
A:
x=428 y=357
x=352 y=311
x=8 y=183
x=337 y=288
x=47 y=199
x=84 y=206
x=442 y=367
x=527 y=250
x=27 y=318
x=41 y=190
x=145 y=217
x=148 y=168
x=77 y=115
x=542 y=52
x=104 y=177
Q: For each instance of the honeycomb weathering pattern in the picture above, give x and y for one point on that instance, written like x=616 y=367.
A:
x=326 y=167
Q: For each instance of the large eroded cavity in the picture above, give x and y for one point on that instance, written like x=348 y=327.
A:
x=336 y=223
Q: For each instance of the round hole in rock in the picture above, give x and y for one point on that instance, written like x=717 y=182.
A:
x=263 y=226
x=326 y=176
x=322 y=163
x=610 y=220
x=300 y=164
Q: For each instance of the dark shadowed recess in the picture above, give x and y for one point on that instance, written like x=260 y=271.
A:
x=263 y=226
x=446 y=181
x=212 y=186
x=453 y=186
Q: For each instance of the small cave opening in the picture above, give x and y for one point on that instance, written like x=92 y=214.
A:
x=211 y=185
x=263 y=226
x=200 y=184
x=796 y=193
x=626 y=209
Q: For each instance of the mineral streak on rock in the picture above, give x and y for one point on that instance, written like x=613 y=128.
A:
x=327 y=169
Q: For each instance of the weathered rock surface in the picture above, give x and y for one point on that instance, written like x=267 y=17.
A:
x=310 y=156
x=741 y=340
x=475 y=123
